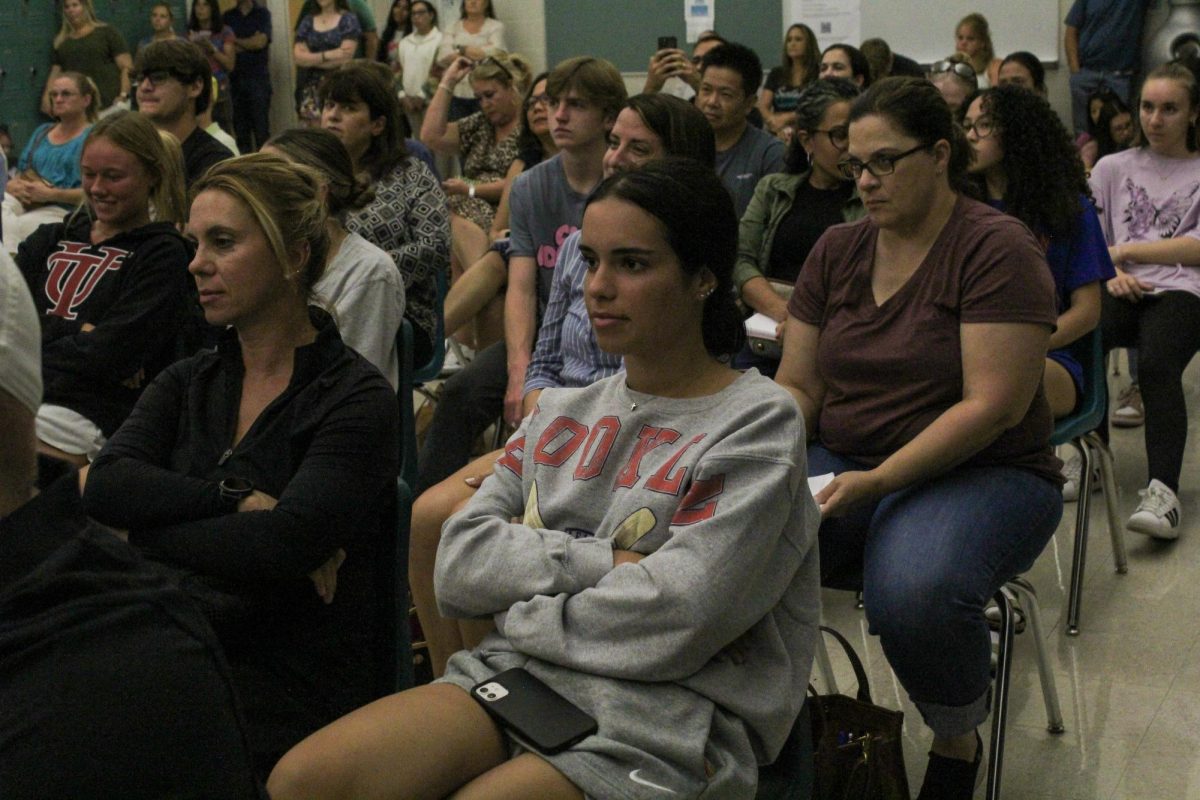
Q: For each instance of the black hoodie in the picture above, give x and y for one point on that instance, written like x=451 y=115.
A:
x=132 y=287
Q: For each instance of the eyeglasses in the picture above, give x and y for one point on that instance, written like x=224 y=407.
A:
x=155 y=76
x=959 y=68
x=539 y=99
x=499 y=65
x=839 y=137
x=64 y=93
x=878 y=166
x=983 y=127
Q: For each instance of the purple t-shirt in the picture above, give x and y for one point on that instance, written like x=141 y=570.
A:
x=1144 y=197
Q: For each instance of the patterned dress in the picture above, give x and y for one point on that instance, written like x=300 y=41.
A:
x=484 y=161
x=408 y=219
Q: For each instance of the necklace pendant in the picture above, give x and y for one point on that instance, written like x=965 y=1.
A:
x=633 y=406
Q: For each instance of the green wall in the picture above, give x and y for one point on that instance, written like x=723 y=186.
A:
x=627 y=33
x=27 y=30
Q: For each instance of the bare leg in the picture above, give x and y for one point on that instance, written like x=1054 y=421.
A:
x=430 y=512
x=1060 y=389
x=423 y=743
x=468 y=243
x=961 y=747
x=475 y=289
x=527 y=775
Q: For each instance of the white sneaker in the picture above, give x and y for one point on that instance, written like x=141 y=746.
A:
x=1073 y=470
x=1158 y=513
x=1129 y=413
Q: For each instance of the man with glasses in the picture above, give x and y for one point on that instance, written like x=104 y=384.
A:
x=173 y=83
x=730 y=75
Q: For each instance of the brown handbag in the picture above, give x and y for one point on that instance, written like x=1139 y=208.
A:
x=857 y=745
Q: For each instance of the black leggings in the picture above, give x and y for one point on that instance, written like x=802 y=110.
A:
x=1165 y=329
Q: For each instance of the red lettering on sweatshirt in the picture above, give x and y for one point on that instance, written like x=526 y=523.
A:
x=514 y=452
x=700 y=504
x=595 y=453
x=662 y=480
x=74 y=274
x=550 y=450
x=649 y=437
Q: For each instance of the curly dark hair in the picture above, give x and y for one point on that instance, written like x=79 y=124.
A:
x=1046 y=178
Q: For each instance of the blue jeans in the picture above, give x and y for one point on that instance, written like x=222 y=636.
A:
x=931 y=556
x=1086 y=81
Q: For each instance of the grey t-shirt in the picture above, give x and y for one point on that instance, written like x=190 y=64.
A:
x=742 y=166
x=543 y=212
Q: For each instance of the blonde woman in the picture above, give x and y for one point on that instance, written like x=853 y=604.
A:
x=261 y=471
x=110 y=282
x=47 y=183
x=973 y=38
x=85 y=44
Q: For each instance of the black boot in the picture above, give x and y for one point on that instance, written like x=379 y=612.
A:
x=951 y=778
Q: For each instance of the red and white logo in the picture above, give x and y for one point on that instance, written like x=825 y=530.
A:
x=74 y=274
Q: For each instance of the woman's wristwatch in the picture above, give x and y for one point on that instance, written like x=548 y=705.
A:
x=234 y=490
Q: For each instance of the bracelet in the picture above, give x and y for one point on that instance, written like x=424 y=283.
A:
x=471 y=190
x=449 y=91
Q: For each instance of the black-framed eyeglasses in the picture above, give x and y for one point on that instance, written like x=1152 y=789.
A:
x=878 y=166
x=499 y=65
x=543 y=99
x=155 y=76
x=839 y=136
x=984 y=127
x=960 y=68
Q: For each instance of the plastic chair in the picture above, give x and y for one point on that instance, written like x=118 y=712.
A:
x=1079 y=430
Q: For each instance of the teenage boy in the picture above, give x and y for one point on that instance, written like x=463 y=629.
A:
x=173 y=82
x=546 y=207
x=729 y=79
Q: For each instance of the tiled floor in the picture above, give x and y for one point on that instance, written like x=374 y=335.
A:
x=1129 y=684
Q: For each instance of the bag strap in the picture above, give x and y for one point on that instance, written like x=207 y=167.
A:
x=860 y=674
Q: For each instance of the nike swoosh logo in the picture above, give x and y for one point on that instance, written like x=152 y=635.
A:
x=633 y=776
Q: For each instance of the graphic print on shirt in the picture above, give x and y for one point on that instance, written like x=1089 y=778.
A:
x=655 y=463
x=74 y=271
x=547 y=254
x=1142 y=216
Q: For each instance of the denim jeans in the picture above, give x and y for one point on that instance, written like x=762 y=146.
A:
x=931 y=556
x=1086 y=81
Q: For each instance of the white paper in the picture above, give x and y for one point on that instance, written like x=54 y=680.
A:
x=818 y=482
x=699 y=16
x=760 y=326
x=833 y=21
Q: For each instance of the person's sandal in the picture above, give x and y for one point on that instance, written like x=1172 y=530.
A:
x=951 y=778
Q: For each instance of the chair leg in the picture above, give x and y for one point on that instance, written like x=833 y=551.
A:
x=1079 y=558
x=1000 y=696
x=824 y=665
x=1027 y=598
x=1108 y=476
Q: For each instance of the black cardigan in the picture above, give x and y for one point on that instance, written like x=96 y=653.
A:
x=328 y=449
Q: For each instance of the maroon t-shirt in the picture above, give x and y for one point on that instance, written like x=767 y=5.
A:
x=891 y=370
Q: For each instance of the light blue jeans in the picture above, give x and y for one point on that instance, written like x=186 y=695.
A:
x=930 y=557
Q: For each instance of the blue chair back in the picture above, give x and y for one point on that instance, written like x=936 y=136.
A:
x=1089 y=352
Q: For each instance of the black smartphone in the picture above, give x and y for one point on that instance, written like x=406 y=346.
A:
x=668 y=43
x=538 y=715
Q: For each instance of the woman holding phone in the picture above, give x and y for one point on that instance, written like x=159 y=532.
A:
x=614 y=587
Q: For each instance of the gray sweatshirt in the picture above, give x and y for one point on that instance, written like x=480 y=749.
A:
x=721 y=613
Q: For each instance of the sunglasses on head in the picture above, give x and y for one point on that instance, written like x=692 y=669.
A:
x=959 y=68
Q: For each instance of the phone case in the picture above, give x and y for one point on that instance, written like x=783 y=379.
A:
x=540 y=716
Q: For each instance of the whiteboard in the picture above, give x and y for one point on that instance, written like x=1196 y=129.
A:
x=923 y=30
